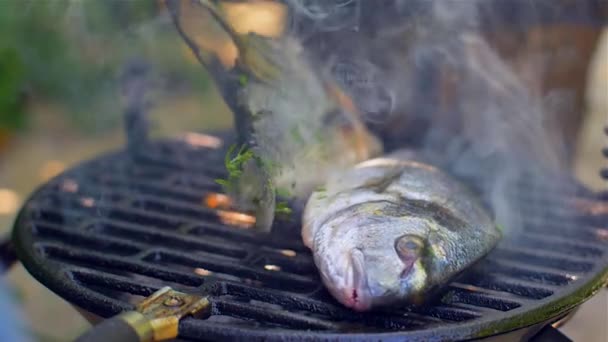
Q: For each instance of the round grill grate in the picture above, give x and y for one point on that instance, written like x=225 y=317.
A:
x=115 y=229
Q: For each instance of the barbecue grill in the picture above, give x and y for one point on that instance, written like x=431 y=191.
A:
x=111 y=234
x=114 y=230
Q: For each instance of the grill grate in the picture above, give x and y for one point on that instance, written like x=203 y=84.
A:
x=115 y=229
x=604 y=171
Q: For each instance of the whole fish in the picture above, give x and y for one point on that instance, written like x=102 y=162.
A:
x=393 y=229
x=295 y=126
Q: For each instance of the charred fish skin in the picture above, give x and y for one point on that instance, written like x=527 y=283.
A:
x=392 y=229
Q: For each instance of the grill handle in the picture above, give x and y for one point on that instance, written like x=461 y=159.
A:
x=127 y=327
x=156 y=319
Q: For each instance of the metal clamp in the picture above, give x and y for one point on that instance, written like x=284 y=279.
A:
x=156 y=318
x=164 y=309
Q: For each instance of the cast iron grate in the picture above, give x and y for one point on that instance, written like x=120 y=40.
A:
x=604 y=172
x=114 y=230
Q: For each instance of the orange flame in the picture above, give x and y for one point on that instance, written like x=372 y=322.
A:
x=272 y=268
x=592 y=207
x=87 y=202
x=202 y=140
x=217 y=201
x=288 y=253
x=602 y=234
x=221 y=203
x=69 y=185
x=202 y=271
x=237 y=219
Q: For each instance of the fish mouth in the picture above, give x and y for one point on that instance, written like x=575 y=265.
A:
x=357 y=296
x=357 y=299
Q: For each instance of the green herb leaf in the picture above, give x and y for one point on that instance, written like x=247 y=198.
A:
x=243 y=80
x=222 y=182
x=228 y=156
x=283 y=208
x=234 y=165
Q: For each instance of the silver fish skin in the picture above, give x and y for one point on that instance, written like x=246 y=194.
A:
x=392 y=229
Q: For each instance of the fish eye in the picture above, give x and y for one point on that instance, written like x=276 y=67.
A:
x=411 y=245
x=408 y=246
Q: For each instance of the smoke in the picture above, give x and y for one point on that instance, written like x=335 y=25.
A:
x=323 y=16
x=425 y=76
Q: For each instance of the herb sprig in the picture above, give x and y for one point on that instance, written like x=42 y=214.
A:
x=283 y=208
x=234 y=165
x=234 y=162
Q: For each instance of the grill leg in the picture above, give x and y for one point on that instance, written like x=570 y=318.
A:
x=550 y=334
x=7 y=254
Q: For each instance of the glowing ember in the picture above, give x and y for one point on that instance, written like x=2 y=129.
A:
x=202 y=271
x=470 y=288
x=272 y=268
x=51 y=169
x=215 y=200
x=202 y=140
x=234 y=218
x=602 y=234
x=572 y=277
x=69 y=185
x=288 y=252
x=87 y=202
x=591 y=207
x=9 y=201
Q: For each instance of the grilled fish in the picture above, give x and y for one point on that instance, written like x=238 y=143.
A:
x=297 y=125
x=393 y=229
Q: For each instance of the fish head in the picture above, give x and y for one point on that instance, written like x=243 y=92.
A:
x=396 y=260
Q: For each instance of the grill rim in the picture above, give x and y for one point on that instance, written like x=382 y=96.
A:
x=55 y=276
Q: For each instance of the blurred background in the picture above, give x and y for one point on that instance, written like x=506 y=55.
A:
x=61 y=103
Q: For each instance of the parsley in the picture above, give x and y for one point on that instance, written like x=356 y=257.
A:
x=221 y=182
x=234 y=162
x=234 y=165
x=243 y=80
x=283 y=208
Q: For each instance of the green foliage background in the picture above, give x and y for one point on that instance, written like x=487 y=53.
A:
x=71 y=51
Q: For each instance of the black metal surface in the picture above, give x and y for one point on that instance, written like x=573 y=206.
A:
x=550 y=334
x=604 y=171
x=7 y=254
x=115 y=229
